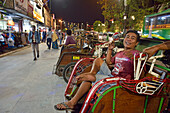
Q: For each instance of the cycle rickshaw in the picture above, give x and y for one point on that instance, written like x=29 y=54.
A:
x=147 y=95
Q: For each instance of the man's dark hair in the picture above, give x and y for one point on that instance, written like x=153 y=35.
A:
x=136 y=32
x=49 y=29
x=68 y=32
x=33 y=26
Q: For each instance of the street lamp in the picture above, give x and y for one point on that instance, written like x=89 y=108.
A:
x=124 y=17
x=60 y=21
x=133 y=17
x=87 y=26
x=81 y=25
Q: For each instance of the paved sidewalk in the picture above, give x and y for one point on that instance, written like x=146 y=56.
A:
x=28 y=86
x=13 y=51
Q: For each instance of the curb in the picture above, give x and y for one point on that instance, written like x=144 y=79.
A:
x=10 y=52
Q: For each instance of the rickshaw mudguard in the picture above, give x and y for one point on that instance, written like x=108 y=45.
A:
x=83 y=65
x=67 y=58
x=119 y=99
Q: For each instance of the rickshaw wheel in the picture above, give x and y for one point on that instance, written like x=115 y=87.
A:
x=59 y=71
x=68 y=70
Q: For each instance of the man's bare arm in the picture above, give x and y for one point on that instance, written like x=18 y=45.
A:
x=109 y=53
x=152 y=50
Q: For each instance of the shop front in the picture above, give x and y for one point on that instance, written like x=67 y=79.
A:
x=13 y=23
x=47 y=18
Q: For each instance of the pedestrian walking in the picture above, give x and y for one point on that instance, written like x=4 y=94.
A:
x=55 y=39
x=60 y=36
x=34 y=39
x=44 y=35
x=49 y=38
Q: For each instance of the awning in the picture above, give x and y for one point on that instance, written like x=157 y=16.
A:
x=14 y=12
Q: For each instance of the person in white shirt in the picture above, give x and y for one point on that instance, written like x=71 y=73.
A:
x=49 y=38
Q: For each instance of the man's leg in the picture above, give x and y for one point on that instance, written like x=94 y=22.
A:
x=60 y=41
x=33 y=49
x=90 y=76
x=37 y=48
x=85 y=86
x=50 y=41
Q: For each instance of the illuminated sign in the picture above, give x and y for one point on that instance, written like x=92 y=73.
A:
x=38 y=16
x=76 y=57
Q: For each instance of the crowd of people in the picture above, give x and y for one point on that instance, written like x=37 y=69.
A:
x=51 y=38
x=10 y=40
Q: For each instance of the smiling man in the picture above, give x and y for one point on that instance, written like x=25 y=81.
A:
x=123 y=67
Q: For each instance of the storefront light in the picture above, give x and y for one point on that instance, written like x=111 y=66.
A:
x=9 y=18
x=11 y=23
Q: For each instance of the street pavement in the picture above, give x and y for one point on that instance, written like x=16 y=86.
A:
x=28 y=86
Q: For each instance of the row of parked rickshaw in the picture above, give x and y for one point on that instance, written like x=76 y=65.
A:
x=148 y=95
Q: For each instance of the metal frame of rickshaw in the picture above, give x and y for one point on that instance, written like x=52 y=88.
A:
x=65 y=60
x=68 y=51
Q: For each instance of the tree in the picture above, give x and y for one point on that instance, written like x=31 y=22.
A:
x=115 y=9
x=97 y=25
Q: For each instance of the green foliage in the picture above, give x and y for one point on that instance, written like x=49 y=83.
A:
x=112 y=28
x=115 y=9
x=97 y=25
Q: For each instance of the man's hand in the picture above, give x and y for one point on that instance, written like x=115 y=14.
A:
x=86 y=77
x=152 y=50
x=111 y=45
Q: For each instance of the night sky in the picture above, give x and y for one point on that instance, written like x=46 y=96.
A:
x=77 y=10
